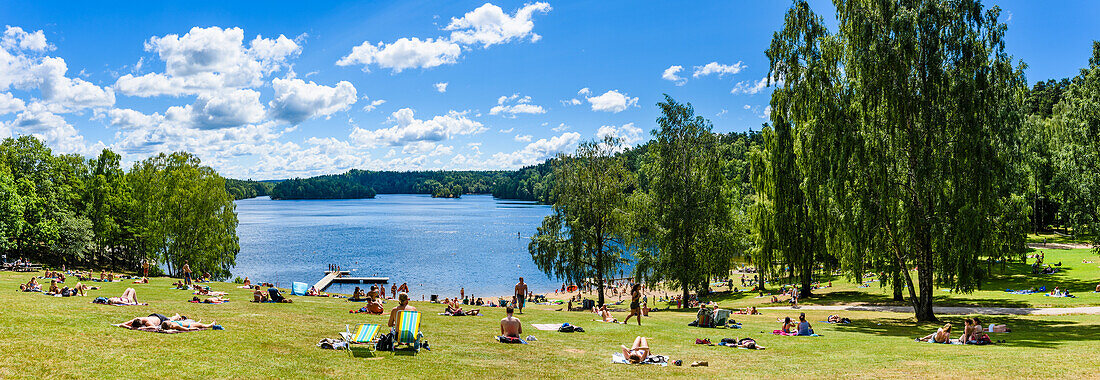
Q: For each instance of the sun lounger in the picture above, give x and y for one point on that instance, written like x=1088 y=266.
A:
x=408 y=329
x=364 y=334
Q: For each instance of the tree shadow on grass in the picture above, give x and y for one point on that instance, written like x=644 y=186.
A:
x=1026 y=332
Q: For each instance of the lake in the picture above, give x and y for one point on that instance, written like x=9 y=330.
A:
x=435 y=245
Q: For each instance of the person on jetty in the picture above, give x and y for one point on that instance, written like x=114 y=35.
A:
x=521 y=295
x=510 y=326
x=402 y=305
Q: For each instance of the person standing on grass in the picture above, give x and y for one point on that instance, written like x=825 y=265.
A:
x=635 y=304
x=462 y=293
x=521 y=295
x=145 y=268
x=187 y=272
x=510 y=326
x=393 y=290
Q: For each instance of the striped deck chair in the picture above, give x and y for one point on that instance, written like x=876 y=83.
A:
x=366 y=333
x=408 y=329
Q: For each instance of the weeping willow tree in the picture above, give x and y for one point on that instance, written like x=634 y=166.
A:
x=583 y=239
x=904 y=126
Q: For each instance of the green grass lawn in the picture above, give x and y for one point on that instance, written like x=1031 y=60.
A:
x=71 y=338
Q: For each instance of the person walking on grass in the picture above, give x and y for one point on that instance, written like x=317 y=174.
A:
x=521 y=295
x=635 y=304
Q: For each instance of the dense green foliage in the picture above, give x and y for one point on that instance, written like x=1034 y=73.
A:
x=244 y=189
x=583 y=239
x=365 y=184
x=532 y=183
x=65 y=210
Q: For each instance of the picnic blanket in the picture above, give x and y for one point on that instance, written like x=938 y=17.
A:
x=780 y=332
x=661 y=360
x=211 y=293
x=210 y=303
x=547 y=326
x=463 y=315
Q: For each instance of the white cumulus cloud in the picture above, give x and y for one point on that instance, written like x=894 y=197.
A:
x=441 y=87
x=488 y=25
x=612 y=101
x=297 y=100
x=537 y=151
x=717 y=68
x=408 y=129
x=514 y=105
x=405 y=53
x=671 y=74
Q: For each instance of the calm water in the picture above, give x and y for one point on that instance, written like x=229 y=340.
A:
x=436 y=245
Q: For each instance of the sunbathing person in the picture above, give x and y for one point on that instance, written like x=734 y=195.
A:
x=53 y=288
x=150 y=322
x=788 y=326
x=31 y=286
x=605 y=315
x=637 y=352
x=128 y=297
x=995 y=328
x=213 y=300
x=186 y=325
x=246 y=282
x=749 y=343
x=373 y=293
x=510 y=326
x=968 y=331
x=403 y=305
x=942 y=335
x=1097 y=288
x=358 y=295
x=374 y=306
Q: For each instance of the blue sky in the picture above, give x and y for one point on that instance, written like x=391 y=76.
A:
x=285 y=89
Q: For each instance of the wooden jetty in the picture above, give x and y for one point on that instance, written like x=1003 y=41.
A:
x=342 y=277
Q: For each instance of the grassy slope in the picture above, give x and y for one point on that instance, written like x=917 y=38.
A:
x=71 y=338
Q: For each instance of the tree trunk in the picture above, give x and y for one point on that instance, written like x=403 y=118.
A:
x=599 y=275
x=897 y=283
x=923 y=249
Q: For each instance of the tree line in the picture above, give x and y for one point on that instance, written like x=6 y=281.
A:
x=930 y=157
x=67 y=210
x=366 y=183
x=244 y=189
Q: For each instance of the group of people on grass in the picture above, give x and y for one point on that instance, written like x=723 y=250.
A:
x=802 y=328
x=972 y=333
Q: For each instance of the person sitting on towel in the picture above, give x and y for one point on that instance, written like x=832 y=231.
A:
x=804 y=327
x=510 y=326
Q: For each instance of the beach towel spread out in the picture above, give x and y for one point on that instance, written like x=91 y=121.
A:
x=157 y=329
x=211 y=294
x=460 y=315
x=547 y=326
x=660 y=360
x=298 y=289
x=211 y=303
x=780 y=332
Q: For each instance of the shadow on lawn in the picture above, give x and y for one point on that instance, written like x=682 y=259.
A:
x=1027 y=332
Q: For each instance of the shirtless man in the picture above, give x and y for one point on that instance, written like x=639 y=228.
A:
x=403 y=305
x=404 y=288
x=510 y=325
x=187 y=272
x=521 y=295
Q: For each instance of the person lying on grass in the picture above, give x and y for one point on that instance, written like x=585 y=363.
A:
x=604 y=314
x=128 y=297
x=942 y=335
x=186 y=325
x=637 y=352
x=271 y=295
x=749 y=343
x=214 y=300
x=454 y=309
x=152 y=321
x=510 y=326
x=31 y=286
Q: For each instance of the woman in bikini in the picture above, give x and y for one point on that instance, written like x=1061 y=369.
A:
x=942 y=335
x=185 y=325
x=128 y=297
x=637 y=352
x=749 y=343
x=635 y=304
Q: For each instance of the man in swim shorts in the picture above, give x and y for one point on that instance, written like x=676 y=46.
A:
x=521 y=295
